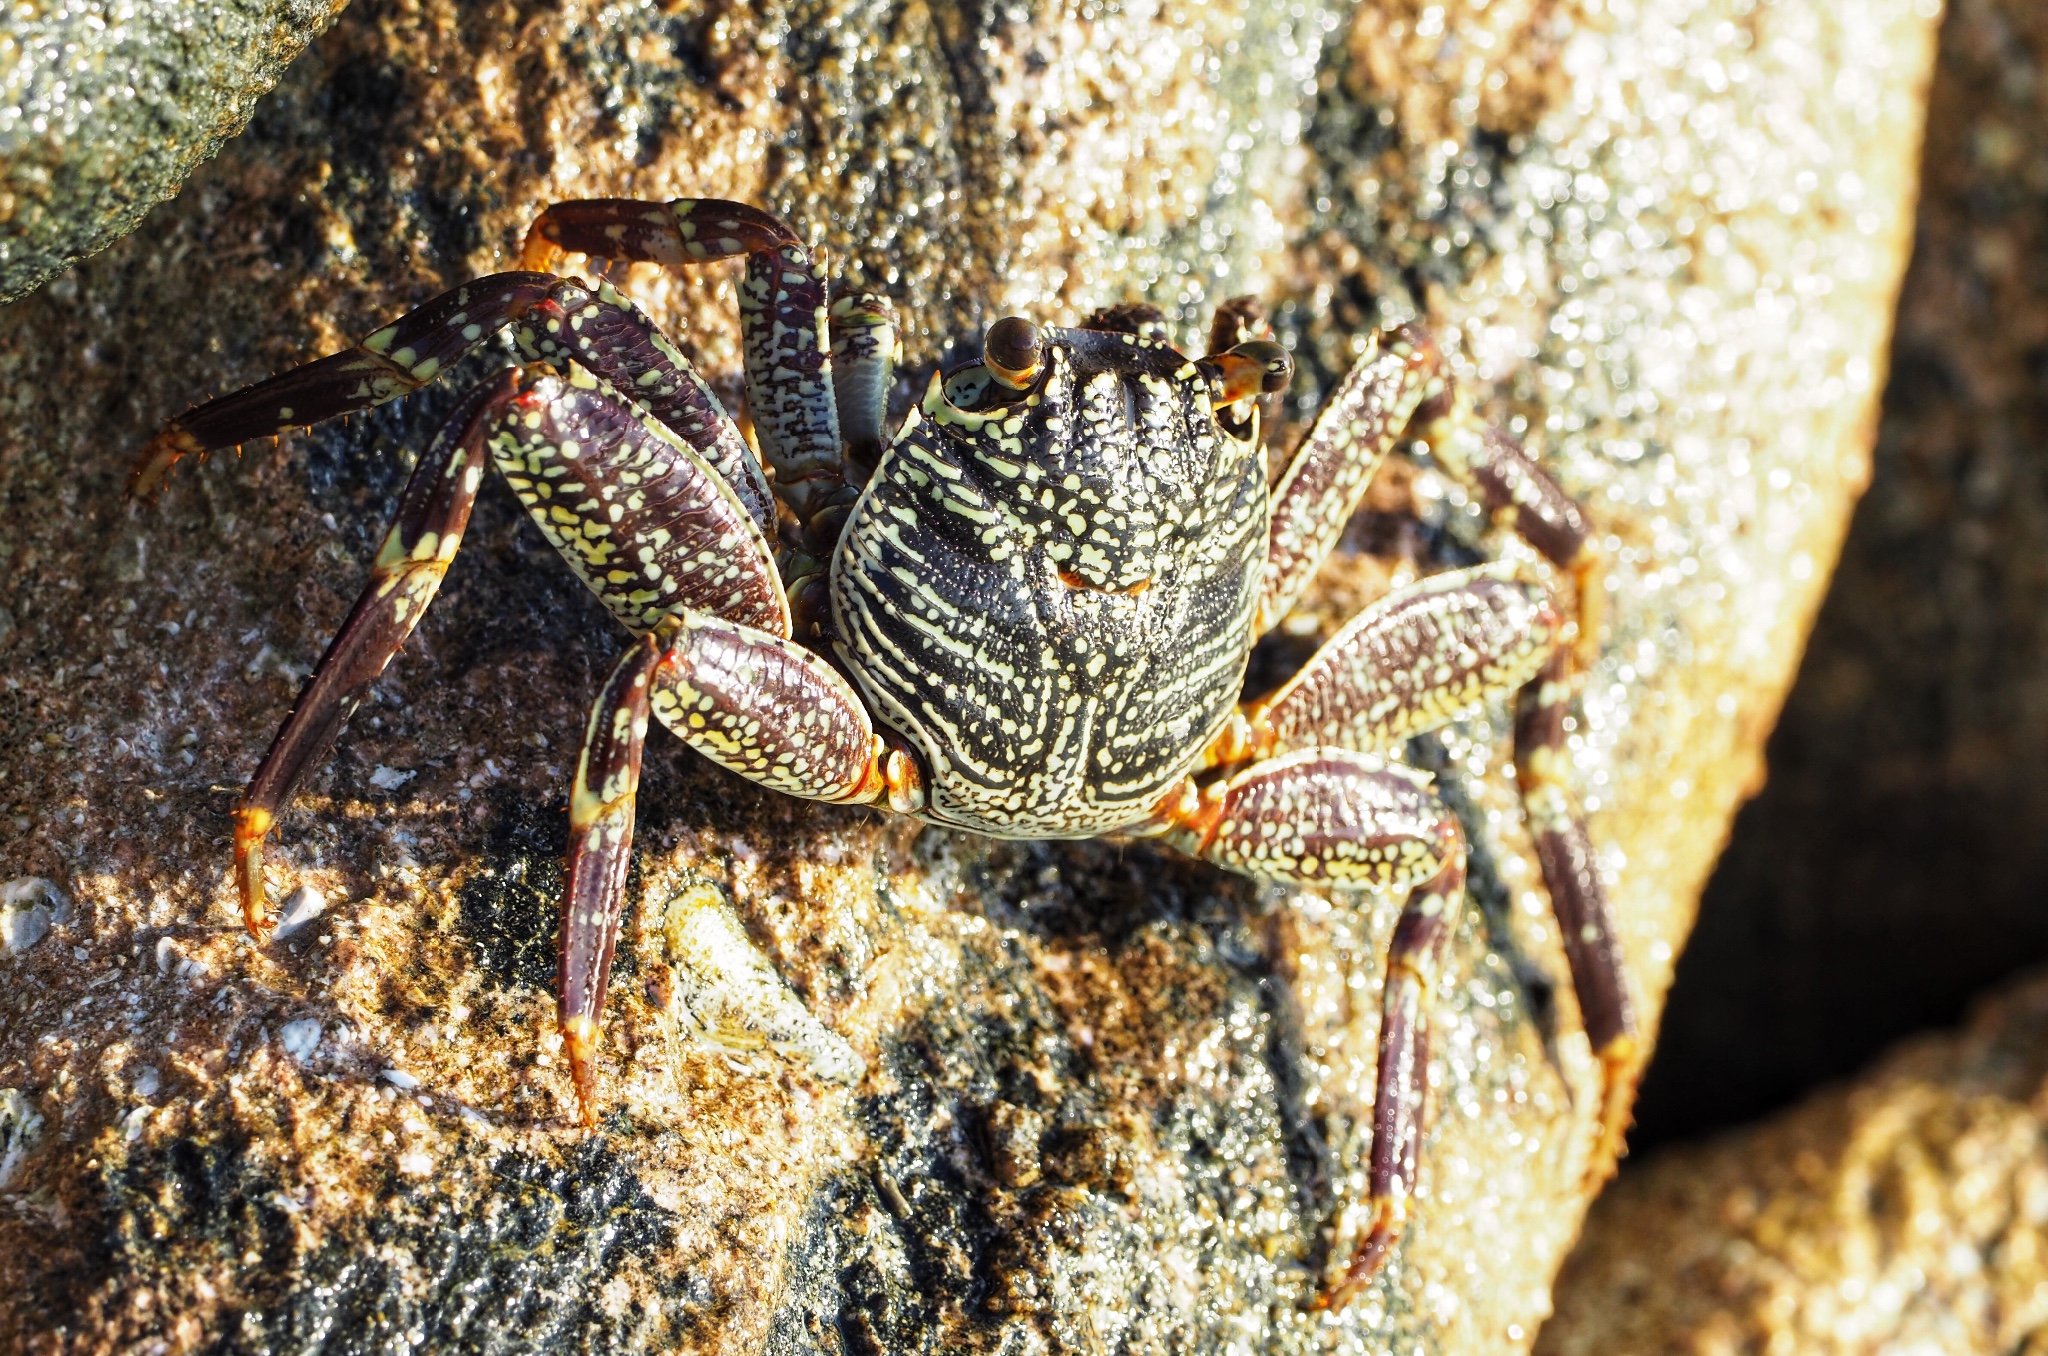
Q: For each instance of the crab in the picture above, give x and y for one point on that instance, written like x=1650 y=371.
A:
x=1026 y=613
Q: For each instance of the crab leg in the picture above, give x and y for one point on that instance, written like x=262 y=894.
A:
x=782 y=318
x=1415 y=661
x=640 y=516
x=600 y=851
x=1584 y=920
x=1523 y=498
x=665 y=542
x=1327 y=479
x=752 y=702
x=766 y=708
x=1413 y=959
x=396 y=360
x=602 y=331
x=1418 y=660
x=1327 y=816
x=558 y=318
x=422 y=541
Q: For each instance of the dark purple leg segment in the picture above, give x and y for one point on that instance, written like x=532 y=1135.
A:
x=1522 y=497
x=423 y=539
x=1413 y=960
x=782 y=318
x=400 y=358
x=600 y=851
x=1584 y=920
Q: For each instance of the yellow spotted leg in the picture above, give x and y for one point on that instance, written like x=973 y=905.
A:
x=753 y=702
x=1328 y=816
x=774 y=712
x=408 y=570
x=394 y=361
x=600 y=851
x=785 y=335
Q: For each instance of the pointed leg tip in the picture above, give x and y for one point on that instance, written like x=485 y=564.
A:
x=579 y=1040
x=154 y=465
x=251 y=825
x=1389 y=1221
x=1620 y=1070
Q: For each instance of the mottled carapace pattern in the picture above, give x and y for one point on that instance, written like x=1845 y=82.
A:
x=1050 y=597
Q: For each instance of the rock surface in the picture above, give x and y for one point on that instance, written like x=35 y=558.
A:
x=1893 y=867
x=1113 y=1100
x=1907 y=1213
x=106 y=106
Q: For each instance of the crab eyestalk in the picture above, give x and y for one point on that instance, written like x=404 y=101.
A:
x=1013 y=352
x=1260 y=367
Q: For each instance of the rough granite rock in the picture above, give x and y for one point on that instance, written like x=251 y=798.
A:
x=106 y=106
x=1894 y=865
x=1907 y=1212
x=1113 y=1100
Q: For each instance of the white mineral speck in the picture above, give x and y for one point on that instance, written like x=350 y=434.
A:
x=301 y=907
x=399 y=1078
x=300 y=1039
x=29 y=905
x=19 y=1123
x=147 y=1081
x=390 y=778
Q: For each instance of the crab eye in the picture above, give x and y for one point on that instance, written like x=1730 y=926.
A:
x=1013 y=352
x=1260 y=367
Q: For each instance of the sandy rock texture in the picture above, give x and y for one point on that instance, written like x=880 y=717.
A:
x=1893 y=866
x=106 y=106
x=1907 y=1212
x=1113 y=1101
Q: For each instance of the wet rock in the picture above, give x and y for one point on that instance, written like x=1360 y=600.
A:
x=1910 y=772
x=1902 y=1213
x=1111 y=1100
x=106 y=107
